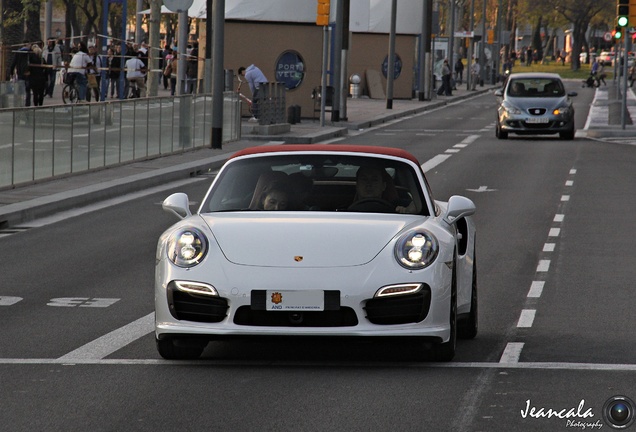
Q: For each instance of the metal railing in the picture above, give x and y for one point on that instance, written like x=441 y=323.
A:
x=38 y=143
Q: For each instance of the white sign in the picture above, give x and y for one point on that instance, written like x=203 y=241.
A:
x=465 y=34
x=607 y=37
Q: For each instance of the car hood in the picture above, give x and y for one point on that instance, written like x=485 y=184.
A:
x=524 y=103
x=299 y=239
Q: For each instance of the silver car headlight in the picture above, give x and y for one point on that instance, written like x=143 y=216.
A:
x=561 y=111
x=187 y=247
x=510 y=109
x=416 y=249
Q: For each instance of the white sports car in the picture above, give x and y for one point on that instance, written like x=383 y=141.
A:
x=317 y=240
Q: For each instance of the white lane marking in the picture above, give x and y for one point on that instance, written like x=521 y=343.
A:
x=565 y=198
x=554 y=232
x=452 y=150
x=573 y=171
x=113 y=341
x=460 y=146
x=569 y=183
x=543 y=266
x=433 y=162
x=549 y=247
x=536 y=289
x=526 y=319
x=608 y=367
x=512 y=353
x=559 y=218
x=470 y=139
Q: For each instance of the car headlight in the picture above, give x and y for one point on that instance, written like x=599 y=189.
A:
x=510 y=109
x=187 y=247
x=561 y=111
x=416 y=249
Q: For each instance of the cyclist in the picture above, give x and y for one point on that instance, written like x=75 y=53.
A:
x=80 y=62
x=135 y=73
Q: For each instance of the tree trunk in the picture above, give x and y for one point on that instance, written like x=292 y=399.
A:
x=13 y=31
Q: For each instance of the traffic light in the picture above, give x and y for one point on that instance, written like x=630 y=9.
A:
x=324 y=7
x=622 y=13
x=617 y=33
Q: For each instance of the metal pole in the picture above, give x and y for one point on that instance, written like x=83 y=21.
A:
x=183 y=43
x=218 y=73
x=626 y=44
x=451 y=35
x=482 y=46
x=390 y=67
x=471 y=44
x=323 y=81
x=337 y=66
x=138 y=30
x=424 y=45
x=48 y=19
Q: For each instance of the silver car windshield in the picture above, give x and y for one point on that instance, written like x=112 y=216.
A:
x=536 y=87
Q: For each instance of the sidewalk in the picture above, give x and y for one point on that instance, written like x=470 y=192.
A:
x=29 y=202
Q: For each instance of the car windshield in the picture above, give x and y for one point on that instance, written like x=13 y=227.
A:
x=327 y=182
x=536 y=87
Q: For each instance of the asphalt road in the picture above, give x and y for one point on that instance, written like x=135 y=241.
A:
x=555 y=264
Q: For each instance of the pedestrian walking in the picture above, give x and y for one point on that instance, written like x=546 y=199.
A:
x=446 y=86
x=52 y=55
x=459 y=71
x=38 y=75
x=475 y=70
x=19 y=70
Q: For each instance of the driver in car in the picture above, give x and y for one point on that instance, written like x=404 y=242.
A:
x=372 y=194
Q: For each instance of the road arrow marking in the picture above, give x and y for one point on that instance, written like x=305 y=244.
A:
x=482 y=189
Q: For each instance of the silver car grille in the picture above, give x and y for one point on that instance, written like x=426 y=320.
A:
x=537 y=111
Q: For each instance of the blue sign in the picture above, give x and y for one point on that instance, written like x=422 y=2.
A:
x=290 y=69
x=397 y=67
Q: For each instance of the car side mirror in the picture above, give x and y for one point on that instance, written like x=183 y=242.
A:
x=499 y=93
x=458 y=207
x=178 y=204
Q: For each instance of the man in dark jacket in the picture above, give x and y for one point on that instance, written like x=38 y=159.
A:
x=20 y=67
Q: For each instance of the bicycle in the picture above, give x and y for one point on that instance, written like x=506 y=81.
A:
x=70 y=92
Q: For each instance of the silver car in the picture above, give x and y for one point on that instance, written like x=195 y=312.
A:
x=535 y=104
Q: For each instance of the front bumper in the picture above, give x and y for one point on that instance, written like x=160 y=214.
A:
x=350 y=308
x=522 y=125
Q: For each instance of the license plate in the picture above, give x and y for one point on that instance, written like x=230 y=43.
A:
x=295 y=300
x=538 y=120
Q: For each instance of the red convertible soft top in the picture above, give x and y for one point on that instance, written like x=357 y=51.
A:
x=329 y=148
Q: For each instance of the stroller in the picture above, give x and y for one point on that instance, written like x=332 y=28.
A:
x=590 y=81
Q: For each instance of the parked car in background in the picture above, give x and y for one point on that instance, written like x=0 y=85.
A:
x=606 y=58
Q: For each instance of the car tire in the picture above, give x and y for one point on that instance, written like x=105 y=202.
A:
x=500 y=133
x=567 y=135
x=467 y=328
x=170 y=350
x=444 y=352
